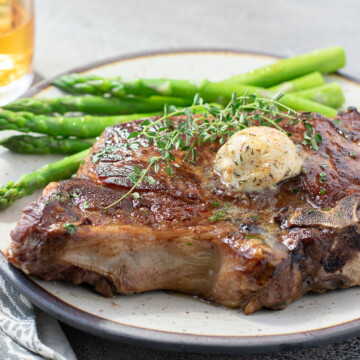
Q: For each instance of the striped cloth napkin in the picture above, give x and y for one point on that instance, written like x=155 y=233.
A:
x=26 y=332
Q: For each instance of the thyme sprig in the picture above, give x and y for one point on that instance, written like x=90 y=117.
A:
x=210 y=124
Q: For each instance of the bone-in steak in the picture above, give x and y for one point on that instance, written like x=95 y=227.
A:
x=267 y=250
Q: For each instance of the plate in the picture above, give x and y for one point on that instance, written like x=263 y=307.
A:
x=169 y=320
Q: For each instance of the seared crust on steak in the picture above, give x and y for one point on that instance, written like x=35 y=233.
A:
x=276 y=246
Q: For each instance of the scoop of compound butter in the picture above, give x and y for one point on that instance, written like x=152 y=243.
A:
x=257 y=159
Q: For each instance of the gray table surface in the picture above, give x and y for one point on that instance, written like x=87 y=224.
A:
x=74 y=33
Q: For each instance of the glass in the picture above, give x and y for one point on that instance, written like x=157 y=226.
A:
x=16 y=48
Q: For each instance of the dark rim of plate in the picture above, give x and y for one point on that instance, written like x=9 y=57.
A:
x=162 y=339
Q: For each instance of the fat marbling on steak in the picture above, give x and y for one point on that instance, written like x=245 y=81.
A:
x=272 y=248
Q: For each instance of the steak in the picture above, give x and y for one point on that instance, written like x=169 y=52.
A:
x=269 y=249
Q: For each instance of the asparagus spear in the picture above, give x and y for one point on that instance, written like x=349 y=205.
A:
x=324 y=60
x=27 y=184
x=300 y=104
x=329 y=94
x=27 y=144
x=221 y=92
x=209 y=91
x=82 y=126
x=95 y=104
x=308 y=81
x=118 y=87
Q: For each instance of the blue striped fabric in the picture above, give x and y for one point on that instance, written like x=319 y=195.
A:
x=21 y=326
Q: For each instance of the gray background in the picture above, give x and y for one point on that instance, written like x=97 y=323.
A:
x=74 y=33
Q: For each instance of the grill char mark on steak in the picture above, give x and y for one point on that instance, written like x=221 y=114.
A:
x=271 y=252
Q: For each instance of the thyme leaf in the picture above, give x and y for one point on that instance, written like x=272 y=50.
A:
x=71 y=228
x=219 y=215
x=310 y=135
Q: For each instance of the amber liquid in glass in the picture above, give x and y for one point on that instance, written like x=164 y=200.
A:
x=16 y=40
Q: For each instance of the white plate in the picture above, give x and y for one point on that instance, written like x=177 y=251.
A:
x=169 y=320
